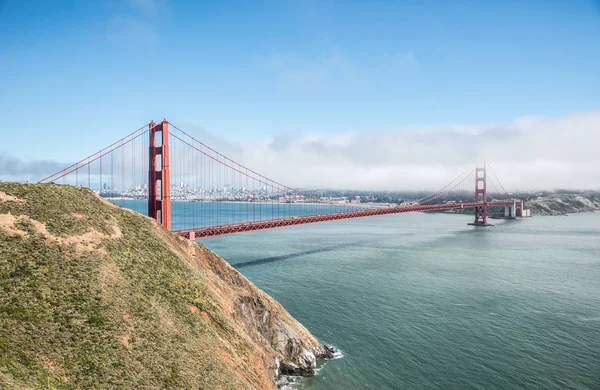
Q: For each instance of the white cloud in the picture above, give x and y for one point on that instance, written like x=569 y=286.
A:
x=527 y=153
x=12 y=168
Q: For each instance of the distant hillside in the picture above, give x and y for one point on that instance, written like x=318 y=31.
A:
x=558 y=204
x=96 y=296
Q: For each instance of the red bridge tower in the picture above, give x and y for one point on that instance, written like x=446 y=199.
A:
x=480 y=196
x=160 y=203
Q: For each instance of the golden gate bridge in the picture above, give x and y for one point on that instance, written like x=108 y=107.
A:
x=161 y=164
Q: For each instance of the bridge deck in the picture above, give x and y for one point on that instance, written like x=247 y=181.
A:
x=261 y=225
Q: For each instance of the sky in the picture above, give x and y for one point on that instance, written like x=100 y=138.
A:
x=352 y=94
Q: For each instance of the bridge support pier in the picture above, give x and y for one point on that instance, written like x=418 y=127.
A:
x=516 y=210
x=159 y=205
x=480 y=196
x=509 y=211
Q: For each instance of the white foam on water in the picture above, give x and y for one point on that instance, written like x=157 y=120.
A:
x=587 y=319
x=337 y=354
x=290 y=382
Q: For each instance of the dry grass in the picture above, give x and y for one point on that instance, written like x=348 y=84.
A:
x=4 y=197
x=89 y=241
x=8 y=224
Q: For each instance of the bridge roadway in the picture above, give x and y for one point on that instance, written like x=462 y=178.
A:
x=301 y=220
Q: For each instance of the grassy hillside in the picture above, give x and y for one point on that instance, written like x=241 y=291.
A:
x=96 y=296
x=558 y=204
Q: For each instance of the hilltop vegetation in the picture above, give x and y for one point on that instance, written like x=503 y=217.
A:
x=558 y=204
x=96 y=296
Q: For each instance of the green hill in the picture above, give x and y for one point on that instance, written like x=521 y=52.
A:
x=96 y=296
x=560 y=204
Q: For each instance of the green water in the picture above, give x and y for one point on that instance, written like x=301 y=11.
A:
x=424 y=301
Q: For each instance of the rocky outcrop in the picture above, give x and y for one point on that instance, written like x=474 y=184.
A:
x=293 y=356
x=324 y=352
x=295 y=351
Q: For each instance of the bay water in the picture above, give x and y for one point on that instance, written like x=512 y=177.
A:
x=423 y=301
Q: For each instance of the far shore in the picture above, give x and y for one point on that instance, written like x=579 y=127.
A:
x=363 y=205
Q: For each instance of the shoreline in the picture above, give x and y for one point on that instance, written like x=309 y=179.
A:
x=356 y=205
x=537 y=209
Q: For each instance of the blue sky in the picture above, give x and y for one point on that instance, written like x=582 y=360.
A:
x=76 y=75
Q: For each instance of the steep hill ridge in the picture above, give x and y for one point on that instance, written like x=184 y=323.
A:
x=96 y=296
x=560 y=204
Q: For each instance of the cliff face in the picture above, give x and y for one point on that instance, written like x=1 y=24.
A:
x=560 y=204
x=93 y=295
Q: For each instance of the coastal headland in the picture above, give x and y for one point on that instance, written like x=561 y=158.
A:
x=95 y=295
